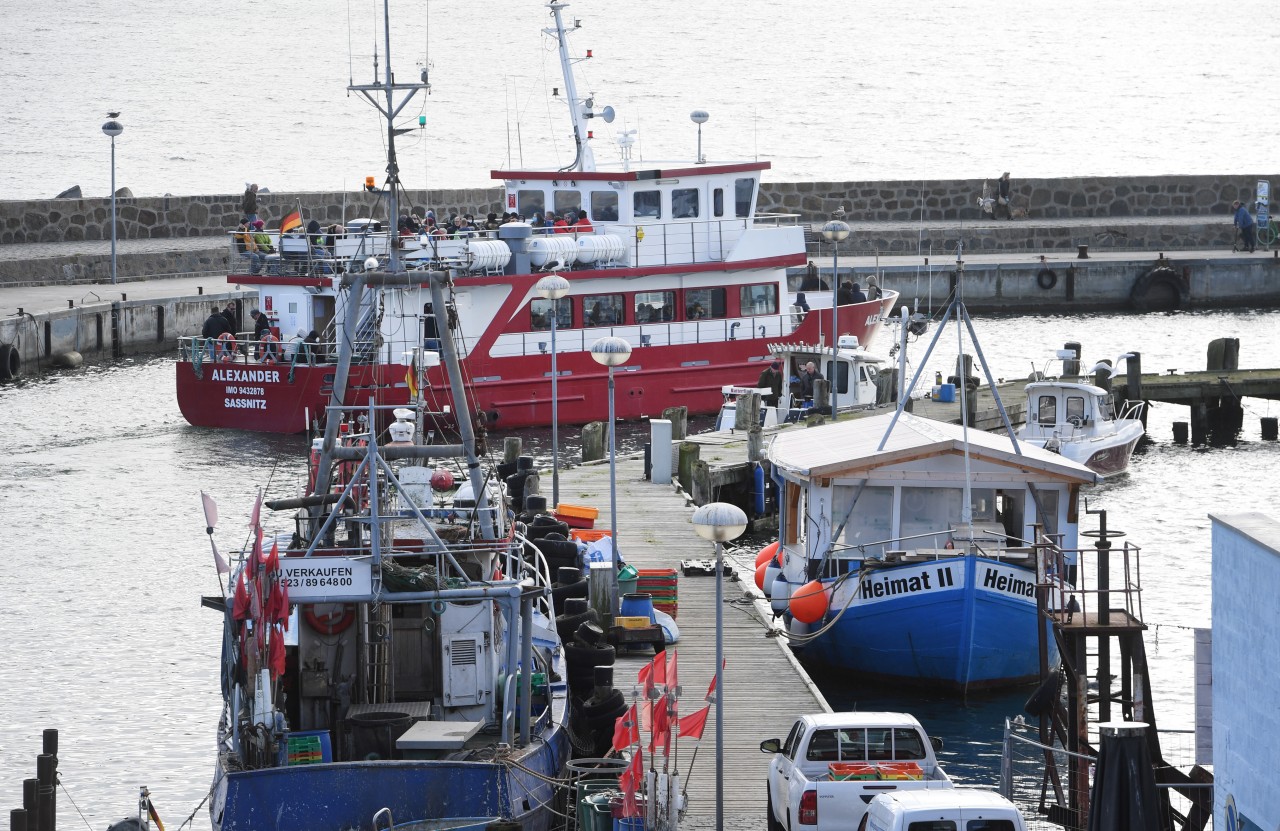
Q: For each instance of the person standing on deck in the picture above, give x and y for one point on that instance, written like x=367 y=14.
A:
x=214 y=325
x=771 y=379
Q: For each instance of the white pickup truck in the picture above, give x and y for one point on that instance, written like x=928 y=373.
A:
x=831 y=765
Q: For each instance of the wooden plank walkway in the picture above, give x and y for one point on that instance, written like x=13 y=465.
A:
x=765 y=689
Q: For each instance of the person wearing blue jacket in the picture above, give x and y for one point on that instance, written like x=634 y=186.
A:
x=1244 y=221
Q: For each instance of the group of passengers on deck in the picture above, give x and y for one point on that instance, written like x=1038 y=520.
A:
x=417 y=224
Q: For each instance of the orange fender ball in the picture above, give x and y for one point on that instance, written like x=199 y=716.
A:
x=809 y=602
x=766 y=554
x=760 y=570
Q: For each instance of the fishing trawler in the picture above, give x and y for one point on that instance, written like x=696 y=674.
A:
x=674 y=257
x=390 y=655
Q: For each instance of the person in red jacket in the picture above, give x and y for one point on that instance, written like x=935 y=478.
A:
x=562 y=225
x=583 y=225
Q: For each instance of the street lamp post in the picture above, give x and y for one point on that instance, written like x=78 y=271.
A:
x=699 y=117
x=835 y=232
x=552 y=287
x=719 y=522
x=113 y=128
x=611 y=352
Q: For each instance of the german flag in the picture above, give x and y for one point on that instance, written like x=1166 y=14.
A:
x=293 y=220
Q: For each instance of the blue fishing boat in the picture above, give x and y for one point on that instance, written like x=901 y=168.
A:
x=389 y=642
x=909 y=547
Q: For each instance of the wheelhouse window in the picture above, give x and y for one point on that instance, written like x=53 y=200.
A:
x=1107 y=408
x=760 y=299
x=744 y=191
x=540 y=314
x=604 y=206
x=717 y=202
x=603 y=309
x=530 y=202
x=684 y=203
x=654 y=306
x=567 y=200
x=647 y=204
x=1047 y=410
x=929 y=511
x=703 y=303
x=870 y=526
x=1075 y=407
x=838 y=375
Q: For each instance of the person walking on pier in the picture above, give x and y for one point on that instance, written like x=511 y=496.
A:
x=1003 y=195
x=1244 y=221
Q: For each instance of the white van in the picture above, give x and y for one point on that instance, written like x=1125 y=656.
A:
x=953 y=809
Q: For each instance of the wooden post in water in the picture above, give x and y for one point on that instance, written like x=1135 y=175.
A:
x=1270 y=428
x=45 y=767
x=684 y=472
x=702 y=492
x=1226 y=413
x=593 y=441
x=1072 y=367
x=18 y=819
x=755 y=443
x=679 y=418
x=511 y=447
x=1133 y=382
x=31 y=802
x=1180 y=432
x=1199 y=423
x=887 y=386
x=50 y=743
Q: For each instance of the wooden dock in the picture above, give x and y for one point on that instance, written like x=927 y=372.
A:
x=764 y=686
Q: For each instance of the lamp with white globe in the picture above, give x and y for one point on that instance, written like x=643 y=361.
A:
x=612 y=352
x=719 y=522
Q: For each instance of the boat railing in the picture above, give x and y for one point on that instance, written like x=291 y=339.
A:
x=247 y=350
x=640 y=335
x=1094 y=582
x=934 y=545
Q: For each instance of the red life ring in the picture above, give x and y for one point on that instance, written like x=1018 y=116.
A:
x=226 y=347
x=269 y=346
x=332 y=623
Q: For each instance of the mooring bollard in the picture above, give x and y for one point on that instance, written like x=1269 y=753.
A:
x=593 y=441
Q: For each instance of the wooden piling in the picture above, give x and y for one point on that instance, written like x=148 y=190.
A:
x=45 y=767
x=511 y=447
x=1133 y=387
x=1102 y=377
x=747 y=414
x=1071 y=368
x=887 y=385
x=18 y=820
x=593 y=441
x=1199 y=423
x=31 y=802
x=821 y=394
x=1180 y=432
x=1270 y=430
x=684 y=470
x=1224 y=355
x=679 y=418
x=755 y=444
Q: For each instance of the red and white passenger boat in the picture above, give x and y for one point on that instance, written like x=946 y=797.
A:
x=677 y=261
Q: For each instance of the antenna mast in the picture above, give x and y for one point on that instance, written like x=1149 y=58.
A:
x=579 y=110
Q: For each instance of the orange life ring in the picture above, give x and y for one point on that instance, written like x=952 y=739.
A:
x=330 y=624
x=226 y=347
x=269 y=346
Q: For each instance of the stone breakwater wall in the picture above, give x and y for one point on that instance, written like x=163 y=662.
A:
x=59 y=220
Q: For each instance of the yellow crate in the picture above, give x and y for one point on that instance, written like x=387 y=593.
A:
x=632 y=622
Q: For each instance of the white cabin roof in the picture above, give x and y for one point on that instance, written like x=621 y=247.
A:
x=850 y=446
x=1064 y=386
x=864 y=719
x=944 y=798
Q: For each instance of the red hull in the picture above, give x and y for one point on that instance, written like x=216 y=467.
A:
x=514 y=391
x=261 y=398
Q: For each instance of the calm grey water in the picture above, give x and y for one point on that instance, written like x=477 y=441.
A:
x=215 y=94
x=105 y=557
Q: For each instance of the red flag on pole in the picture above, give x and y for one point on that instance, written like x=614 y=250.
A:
x=629 y=784
x=626 y=730
x=661 y=725
x=277 y=652
x=711 y=690
x=694 y=723
x=672 y=674
x=273 y=559
x=240 y=605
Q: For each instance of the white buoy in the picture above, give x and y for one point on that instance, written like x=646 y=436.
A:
x=780 y=595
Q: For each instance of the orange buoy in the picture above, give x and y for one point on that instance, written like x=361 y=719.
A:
x=809 y=602
x=760 y=570
x=766 y=554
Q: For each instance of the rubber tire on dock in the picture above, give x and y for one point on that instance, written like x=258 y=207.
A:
x=1046 y=278
x=10 y=362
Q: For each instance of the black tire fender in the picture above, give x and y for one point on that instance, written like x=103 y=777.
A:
x=1046 y=278
x=10 y=362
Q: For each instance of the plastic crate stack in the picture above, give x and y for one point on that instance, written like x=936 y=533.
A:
x=661 y=584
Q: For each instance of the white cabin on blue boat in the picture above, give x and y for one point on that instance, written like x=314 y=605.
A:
x=923 y=541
